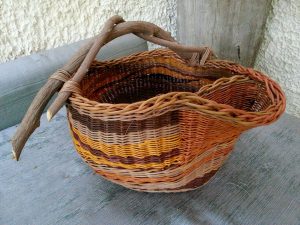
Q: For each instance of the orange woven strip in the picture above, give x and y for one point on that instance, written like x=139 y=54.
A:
x=100 y=160
x=150 y=147
x=128 y=159
x=204 y=164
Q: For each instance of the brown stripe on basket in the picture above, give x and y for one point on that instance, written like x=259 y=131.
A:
x=137 y=74
x=207 y=70
x=193 y=184
x=99 y=167
x=174 y=171
x=130 y=159
x=206 y=74
x=141 y=88
x=199 y=181
x=125 y=127
x=131 y=138
x=185 y=173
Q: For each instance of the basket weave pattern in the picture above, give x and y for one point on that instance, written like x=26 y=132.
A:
x=151 y=122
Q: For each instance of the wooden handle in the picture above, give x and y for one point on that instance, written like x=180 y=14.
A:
x=31 y=120
x=80 y=62
x=110 y=31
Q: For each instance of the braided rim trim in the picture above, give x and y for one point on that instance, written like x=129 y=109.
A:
x=185 y=100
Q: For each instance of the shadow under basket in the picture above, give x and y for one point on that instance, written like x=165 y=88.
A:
x=151 y=122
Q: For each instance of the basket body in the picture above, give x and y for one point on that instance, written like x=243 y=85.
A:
x=152 y=123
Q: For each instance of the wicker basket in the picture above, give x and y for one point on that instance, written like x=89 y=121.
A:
x=157 y=121
x=153 y=123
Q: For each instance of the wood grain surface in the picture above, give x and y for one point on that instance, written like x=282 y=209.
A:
x=233 y=28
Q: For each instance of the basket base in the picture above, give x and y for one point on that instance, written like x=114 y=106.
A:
x=193 y=185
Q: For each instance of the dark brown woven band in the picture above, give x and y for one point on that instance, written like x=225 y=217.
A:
x=209 y=73
x=125 y=127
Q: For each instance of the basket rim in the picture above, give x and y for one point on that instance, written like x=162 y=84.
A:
x=195 y=102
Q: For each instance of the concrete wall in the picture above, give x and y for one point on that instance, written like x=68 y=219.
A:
x=28 y=26
x=279 y=54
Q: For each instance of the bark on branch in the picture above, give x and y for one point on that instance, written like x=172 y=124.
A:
x=81 y=61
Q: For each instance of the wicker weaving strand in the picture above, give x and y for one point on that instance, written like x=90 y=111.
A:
x=151 y=122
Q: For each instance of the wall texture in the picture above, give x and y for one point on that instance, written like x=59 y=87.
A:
x=279 y=55
x=28 y=26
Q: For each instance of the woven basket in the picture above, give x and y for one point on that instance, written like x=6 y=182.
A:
x=156 y=122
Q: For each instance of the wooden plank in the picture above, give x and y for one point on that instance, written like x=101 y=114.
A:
x=233 y=28
x=258 y=184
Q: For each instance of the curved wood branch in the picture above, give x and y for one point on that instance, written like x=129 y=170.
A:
x=80 y=62
x=145 y=30
x=31 y=120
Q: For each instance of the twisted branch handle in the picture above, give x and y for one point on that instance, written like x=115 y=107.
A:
x=145 y=30
x=113 y=28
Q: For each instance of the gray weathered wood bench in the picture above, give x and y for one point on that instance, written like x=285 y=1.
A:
x=259 y=184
